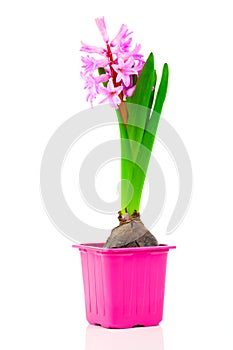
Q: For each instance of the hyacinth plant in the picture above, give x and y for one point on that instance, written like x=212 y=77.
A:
x=118 y=74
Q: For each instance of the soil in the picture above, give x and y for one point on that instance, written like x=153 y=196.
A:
x=131 y=233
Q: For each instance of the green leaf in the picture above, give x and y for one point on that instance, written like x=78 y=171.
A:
x=153 y=90
x=152 y=125
x=162 y=91
x=144 y=84
x=138 y=137
x=137 y=118
x=151 y=99
x=144 y=153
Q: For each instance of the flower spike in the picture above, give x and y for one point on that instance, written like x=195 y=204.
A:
x=118 y=63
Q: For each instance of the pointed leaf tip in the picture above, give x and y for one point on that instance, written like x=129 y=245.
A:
x=162 y=91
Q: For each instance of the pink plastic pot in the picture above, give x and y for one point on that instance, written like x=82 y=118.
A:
x=124 y=287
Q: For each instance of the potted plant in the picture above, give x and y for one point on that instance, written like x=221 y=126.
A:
x=124 y=278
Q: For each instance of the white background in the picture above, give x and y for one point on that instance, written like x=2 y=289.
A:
x=41 y=305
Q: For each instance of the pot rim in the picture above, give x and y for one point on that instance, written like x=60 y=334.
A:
x=99 y=247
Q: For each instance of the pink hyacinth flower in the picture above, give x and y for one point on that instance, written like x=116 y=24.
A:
x=112 y=94
x=91 y=86
x=92 y=49
x=102 y=28
x=134 y=53
x=119 y=62
x=130 y=91
x=120 y=35
x=124 y=70
x=103 y=78
x=91 y=64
